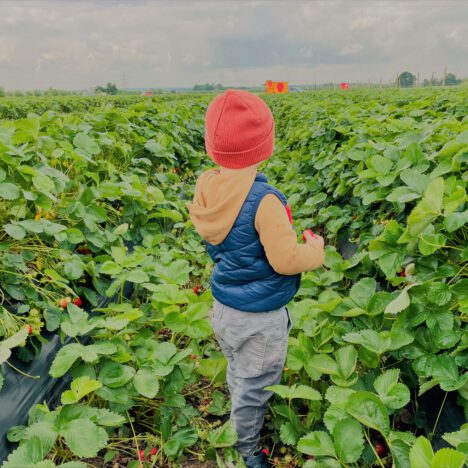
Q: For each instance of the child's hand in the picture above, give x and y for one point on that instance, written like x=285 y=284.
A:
x=313 y=239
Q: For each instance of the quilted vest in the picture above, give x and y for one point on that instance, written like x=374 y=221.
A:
x=242 y=277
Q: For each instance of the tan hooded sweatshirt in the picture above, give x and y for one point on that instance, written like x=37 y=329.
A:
x=217 y=201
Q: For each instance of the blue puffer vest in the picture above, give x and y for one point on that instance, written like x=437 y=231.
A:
x=242 y=277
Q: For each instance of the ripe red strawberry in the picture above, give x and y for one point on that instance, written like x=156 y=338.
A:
x=193 y=356
x=266 y=451
x=29 y=328
x=84 y=251
x=402 y=273
x=142 y=455
x=154 y=451
x=198 y=289
x=78 y=302
x=379 y=449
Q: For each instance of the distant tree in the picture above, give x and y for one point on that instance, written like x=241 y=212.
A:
x=18 y=93
x=110 y=88
x=208 y=87
x=451 y=80
x=406 y=79
x=2 y=92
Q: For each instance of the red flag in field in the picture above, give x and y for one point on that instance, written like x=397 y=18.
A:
x=344 y=85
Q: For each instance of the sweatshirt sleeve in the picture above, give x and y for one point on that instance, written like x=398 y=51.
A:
x=279 y=240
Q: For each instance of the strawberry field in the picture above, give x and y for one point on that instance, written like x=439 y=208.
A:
x=99 y=257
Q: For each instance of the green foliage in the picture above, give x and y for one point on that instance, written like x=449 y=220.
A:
x=381 y=176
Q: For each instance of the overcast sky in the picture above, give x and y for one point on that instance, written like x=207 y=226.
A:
x=75 y=44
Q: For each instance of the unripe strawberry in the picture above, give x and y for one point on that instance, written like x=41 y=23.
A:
x=63 y=302
x=193 y=356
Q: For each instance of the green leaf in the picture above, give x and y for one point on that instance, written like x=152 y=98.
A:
x=402 y=195
x=362 y=291
x=421 y=453
x=14 y=340
x=44 y=433
x=346 y=359
x=400 y=444
x=381 y=164
x=80 y=387
x=115 y=375
x=400 y=303
x=296 y=391
x=111 y=268
x=458 y=437
x=348 y=440
x=67 y=356
x=224 y=436
x=77 y=321
x=317 y=443
x=43 y=183
x=369 y=410
x=137 y=276
x=146 y=383
x=427 y=209
x=84 y=438
x=430 y=243
x=9 y=191
x=15 y=231
x=169 y=294
x=455 y=221
x=445 y=370
x=74 y=235
x=416 y=181
x=177 y=272
x=323 y=364
x=448 y=458
x=86 y=144
x=393 y=394
x=288 y=434
x=73 y=269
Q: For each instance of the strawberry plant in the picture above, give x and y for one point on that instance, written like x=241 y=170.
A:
x=93 y=195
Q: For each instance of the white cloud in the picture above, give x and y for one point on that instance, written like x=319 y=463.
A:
x=81 y=43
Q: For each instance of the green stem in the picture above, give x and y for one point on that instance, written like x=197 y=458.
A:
x=438 y=417
x=23 y=373
x=135 y=438
x=373 y=449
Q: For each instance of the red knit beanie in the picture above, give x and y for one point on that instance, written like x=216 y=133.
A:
x=239 y=129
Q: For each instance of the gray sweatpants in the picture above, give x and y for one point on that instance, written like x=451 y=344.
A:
x=255 y=346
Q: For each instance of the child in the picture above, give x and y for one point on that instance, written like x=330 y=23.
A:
x=246 y=228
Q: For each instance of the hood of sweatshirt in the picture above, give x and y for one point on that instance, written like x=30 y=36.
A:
x=217 y=201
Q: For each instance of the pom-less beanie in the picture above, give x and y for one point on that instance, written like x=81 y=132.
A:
x=239 y=129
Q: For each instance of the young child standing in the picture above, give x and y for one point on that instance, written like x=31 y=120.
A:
x=245 y=224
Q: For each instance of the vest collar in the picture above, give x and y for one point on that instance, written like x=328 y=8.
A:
x=261 y=177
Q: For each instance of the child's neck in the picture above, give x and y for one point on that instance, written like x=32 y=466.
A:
x=226 y=170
